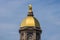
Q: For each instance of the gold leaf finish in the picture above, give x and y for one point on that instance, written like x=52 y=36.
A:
x=30 y=21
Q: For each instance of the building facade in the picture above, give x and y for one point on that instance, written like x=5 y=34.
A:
x=30 y=28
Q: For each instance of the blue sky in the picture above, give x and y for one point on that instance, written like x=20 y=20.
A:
x=13 y=11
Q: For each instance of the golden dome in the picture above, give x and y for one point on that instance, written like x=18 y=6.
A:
x=30 y=20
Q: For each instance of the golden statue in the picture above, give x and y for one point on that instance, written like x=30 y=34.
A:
x=30 y=8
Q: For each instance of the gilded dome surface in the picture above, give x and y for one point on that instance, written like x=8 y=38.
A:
x=30 y=21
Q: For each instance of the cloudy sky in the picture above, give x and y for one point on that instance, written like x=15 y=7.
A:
x=13 y=11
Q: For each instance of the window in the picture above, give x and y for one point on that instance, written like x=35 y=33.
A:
x=29 y=35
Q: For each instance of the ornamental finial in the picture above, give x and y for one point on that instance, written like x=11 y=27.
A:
x=30 y=8
x=30 y=12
